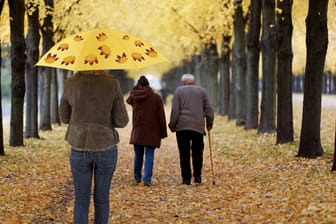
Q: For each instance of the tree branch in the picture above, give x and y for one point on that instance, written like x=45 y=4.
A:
x=193 y=28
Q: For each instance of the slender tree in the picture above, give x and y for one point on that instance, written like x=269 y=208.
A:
x=232 y=94
x=55 y=118
x=209 y=71
x=267 y=114
x=32 y=40
x=224 y=76
x=285 y=132
x=333 y=168
x=2 y=149
x=45 y=72
x=239 y=62
x=317 y=45
x=253 y=55
x=16 y=11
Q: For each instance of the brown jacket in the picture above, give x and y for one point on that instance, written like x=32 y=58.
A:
x=149 y=121
x=93 y=106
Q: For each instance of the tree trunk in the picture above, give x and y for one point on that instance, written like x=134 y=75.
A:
x=197 y=59
x=33 y=39
x=45 y=72
x=330 y=85
x=61 y=73
x=253 y=53
x=333 y=168
x=224 y=77
x=16 y=10
x=209 y=71
x=285 y=132
x=232 y=96
x=239 y=61
x=317 y=44
x=267 y=115
x=2 y=148
x=191 y=67
x=126 y=84
x=44 y=90
x=55 y=118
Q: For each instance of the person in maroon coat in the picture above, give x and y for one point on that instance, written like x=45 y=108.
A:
x=148 y=128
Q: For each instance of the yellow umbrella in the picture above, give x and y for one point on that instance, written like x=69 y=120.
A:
x=101 y=49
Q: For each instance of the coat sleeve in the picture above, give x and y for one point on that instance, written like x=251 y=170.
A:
x=208 y=111
x=129 y=99
x=175 y=111
x=162 y=118
x=65 y=108
x=119 y=113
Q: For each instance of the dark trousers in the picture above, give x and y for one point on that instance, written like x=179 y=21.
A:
x=186 y=141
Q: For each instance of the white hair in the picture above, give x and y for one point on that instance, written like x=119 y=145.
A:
x=189 y=77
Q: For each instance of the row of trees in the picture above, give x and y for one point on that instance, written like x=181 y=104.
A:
x=229 y=70
x=269 y=32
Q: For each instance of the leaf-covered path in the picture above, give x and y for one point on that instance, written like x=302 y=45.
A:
x=256 y=181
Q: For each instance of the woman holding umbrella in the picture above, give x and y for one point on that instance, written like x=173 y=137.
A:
x=92 y=104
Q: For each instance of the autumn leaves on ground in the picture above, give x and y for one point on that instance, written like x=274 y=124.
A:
x=256 y=181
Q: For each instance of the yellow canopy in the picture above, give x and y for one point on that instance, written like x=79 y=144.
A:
x=101 y=49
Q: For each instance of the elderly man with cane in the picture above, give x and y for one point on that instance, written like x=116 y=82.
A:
x=190 y=110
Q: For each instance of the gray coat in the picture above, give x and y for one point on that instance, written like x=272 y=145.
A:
x=93 y=106
x=190 y=109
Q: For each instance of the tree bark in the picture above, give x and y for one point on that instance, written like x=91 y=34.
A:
x=317 y=45
x=333 y=168
x=232 y=95
x=267 y=115
x=2 y=148
x=55 y=118
x=45 y=72
x=33 y=40
x=224 y=76
x=197 y=59
x=209 y=72
x=16 y=10
x=126 y=84
x=211 y=69
x=239 y=62
x=252 y=78
x=285 y=132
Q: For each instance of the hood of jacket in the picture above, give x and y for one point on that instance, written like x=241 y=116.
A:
x=139 y=94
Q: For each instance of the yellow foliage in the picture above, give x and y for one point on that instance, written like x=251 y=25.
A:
x=178 y=28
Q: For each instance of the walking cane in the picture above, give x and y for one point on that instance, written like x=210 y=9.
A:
x=212 y=171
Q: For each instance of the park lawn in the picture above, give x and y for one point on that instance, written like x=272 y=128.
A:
x=256 y=181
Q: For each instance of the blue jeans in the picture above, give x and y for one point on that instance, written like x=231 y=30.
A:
x=85 y=165
x=139 y=151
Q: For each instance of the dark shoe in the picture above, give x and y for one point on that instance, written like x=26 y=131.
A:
x=198 y=180
x=137 y=181
x=147 y=183
x=186 y=182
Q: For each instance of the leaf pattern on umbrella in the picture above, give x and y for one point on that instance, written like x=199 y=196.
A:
x=101 y=49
